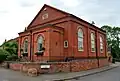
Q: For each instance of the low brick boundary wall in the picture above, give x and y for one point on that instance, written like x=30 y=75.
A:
x=72 y=66
x=29 y=65
x=15 y=66
x=103 y=62
x=84 y=65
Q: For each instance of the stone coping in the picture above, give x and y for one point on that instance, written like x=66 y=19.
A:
x=45 y=62
x=34 y=62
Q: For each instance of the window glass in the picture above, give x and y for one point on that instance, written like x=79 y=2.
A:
x=80 y=40
x=101 y=44
x=40 y=43
x=92 y=42
x=25 y=46
x=65 y=44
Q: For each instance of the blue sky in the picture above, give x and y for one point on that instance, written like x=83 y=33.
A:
x=15 y=15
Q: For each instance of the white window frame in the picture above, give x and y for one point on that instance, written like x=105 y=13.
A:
x=80 y=39
x=92 y=41
x=45 y=16
x=101 y=44
x=40 y=40
x=25 y=46
x=65 y=44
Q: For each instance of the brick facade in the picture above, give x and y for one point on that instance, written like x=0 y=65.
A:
x=61 y=26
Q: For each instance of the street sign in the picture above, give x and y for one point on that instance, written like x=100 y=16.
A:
x=45 y=66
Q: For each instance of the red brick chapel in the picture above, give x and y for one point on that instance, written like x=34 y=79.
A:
x=55 y=35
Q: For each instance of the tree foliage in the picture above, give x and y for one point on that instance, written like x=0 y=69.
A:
x=9 y=48
x=3 y=55
x=113 y=39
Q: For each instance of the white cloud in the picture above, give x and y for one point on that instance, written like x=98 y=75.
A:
x=70 y=3
x=101 y=11
x=15 y=15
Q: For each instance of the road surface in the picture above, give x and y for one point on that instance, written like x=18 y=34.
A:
x=9 y=75
x=111 y=75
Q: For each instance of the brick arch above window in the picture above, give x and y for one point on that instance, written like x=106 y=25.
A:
x=80 y=28
x=22 y=42
x=37 y=36
x=40 y=35
x=25 y=38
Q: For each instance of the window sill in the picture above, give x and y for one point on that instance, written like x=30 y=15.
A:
x=80 y=50
x=25 y=54
x=101 y=52
x=39 y=53
x=93 y=51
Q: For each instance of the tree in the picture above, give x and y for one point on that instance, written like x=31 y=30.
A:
x=108 y=30
x=113 y=39
x=11 y=47
x=3 y=55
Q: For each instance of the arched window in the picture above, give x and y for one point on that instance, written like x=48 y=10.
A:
x=92 y=42
x=25 y=46
x=80 y=39
x=101 y=44
x=40 y=43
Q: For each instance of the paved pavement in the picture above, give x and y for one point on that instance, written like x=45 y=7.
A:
x=76 y=75
x=111 y=75
x=9 y=75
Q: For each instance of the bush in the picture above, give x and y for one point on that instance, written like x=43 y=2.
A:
x=12 y=57
x=113 y=60
x=4 y=52
x=117 y=60
x=3 y=58
x=3 y=55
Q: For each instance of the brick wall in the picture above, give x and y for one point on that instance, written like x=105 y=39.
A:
x=73 y=66
x=16 y=66
x=60 y=67
x=84 y=65
x=103 y=62
x=29 y=65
